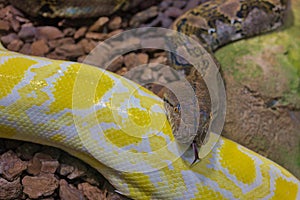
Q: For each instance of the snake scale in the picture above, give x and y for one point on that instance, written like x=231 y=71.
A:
x=132 y=146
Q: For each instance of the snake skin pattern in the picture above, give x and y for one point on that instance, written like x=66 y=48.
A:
x=122 y=131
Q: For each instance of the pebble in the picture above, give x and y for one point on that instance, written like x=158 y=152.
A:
x=68 y=191
x=80 y=32
x=115 y=23
x=11 y=166
x=70 y=50
x=10 y=189
x=4 y=25
x=42 y=185
x=15 y=45
x=8 y=38
x=99 y=24
x=49 y=33
x=39 y=48
x=27 y=33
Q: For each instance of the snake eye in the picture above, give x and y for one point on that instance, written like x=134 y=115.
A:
x=177 y=108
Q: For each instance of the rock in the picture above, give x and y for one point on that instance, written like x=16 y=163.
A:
x=39 y=48
x=42 y=185
x=15 y=45
x=42 y=163
x=69 y=32
x=4 y=25
x=27 y=33
x=143 y=16
x=132 y=60
x=27 y=150
x=70 y=50
x=14 y=24
x=35 y=164
x=98 y=24
x=173 y=12
x=143 y=58
x=49 y=33
x=10 y=190
x=60 y=42
x=80 y=32
x=11 y=166
x=65 y=169
x=116 y=64
x=96 y=36
x=79 y=167
x=115 y=23
x=26 y=49
x=90 y=192
x=67 y=191
x=88 y=45
x=8 y=38
x=179 y=4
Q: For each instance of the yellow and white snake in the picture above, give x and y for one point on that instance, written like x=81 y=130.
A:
x=122 y=130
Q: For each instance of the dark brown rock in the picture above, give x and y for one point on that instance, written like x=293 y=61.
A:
x=11 y=166
x=70 y=50
x=15 y=45
x=35 y=164
x=60 y=42
x=88 y=45
x=96 y=36
x=80 y=32
x=68 y=191
x=27 y=150
x=143 y=16
x=42 y=185
x=10 y=190
x=4 y=25
x=90 y=192
x=49 y=33
x=8 y=38
x=173 y=12
x=39 y=48
x=27 y=33
x=116 y=64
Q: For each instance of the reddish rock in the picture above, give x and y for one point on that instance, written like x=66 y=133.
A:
x=39 y=48
x=80 y=32
x=88 y=45
x=26 y=49
x=173 y=12
x=143 y=16
x=59 y=42
x=27 y=33
x=68 y=191
x=70 y=50
x=4 y=25
x=49 y=33
x=96 y=36
x=15 y=45
x=132 y=60
x=115 y=23
x=42 y=185
x=69 y=32
x=14 y=24
x=11 y=166
x=10 y=190
x=35 y=164
x=116 y=64
x=99 y=24
x=90 y=192
x=115 y=32
x=8 y=38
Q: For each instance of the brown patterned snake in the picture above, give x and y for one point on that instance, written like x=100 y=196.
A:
x=37 y=100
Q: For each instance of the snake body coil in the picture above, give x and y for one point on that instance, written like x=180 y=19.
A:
x=120 y=130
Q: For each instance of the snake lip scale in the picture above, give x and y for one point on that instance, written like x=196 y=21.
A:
x=37 y=104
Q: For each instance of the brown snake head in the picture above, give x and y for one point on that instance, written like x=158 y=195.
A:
x=186 y=113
